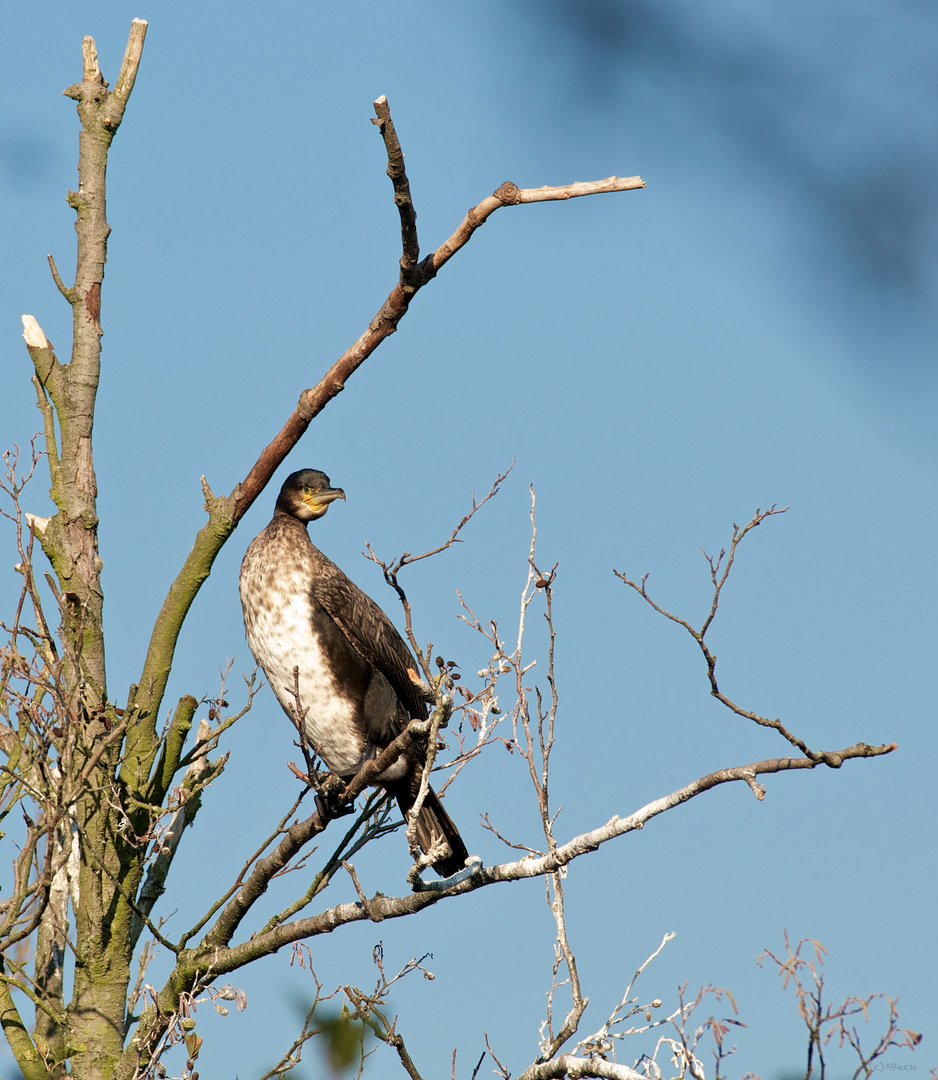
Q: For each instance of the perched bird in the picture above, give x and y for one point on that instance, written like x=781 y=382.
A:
x=301 y=612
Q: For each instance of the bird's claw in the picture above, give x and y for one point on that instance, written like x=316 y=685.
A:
x=329 y=800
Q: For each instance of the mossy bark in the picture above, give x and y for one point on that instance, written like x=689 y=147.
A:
x=89 y=1033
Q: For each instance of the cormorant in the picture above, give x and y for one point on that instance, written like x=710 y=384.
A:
x=301 y=611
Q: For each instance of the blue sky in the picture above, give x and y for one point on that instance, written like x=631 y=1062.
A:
x=755 y=327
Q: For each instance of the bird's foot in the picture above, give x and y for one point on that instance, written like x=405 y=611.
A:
x=329 y=793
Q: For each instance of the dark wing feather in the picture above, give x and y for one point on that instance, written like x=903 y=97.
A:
x=370 y=632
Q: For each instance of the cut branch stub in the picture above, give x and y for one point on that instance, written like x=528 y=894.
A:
x=71 y=542
x=105 y=869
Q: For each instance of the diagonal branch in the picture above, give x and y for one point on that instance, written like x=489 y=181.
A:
x=23 y=1047
x=314 y=400
x=397 y=907
x=167 y=843
x=225 y=513
x=301 y=833
x=213 y=957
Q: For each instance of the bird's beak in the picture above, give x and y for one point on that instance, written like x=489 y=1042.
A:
x=319 y=501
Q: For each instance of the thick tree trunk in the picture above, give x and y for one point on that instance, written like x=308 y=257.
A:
x=90 y=1032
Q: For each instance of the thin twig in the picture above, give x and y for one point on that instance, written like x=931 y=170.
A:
x=719 y=580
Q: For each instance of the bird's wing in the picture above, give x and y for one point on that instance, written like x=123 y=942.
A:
x=370 y=632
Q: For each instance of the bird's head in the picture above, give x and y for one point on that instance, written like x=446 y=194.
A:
x=306 y=495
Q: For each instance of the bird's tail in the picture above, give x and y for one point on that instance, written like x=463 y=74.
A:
x=433 y=822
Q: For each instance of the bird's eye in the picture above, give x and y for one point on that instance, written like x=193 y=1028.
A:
x=307 y=490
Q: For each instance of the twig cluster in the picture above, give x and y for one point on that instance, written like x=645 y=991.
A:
x=533 y=721
x=834 y=1024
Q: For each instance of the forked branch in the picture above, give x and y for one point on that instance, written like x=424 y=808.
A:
x=413 y=276
x=719 y=573
x=226 y=512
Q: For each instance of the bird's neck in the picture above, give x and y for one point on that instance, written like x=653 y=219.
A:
x=283 y=517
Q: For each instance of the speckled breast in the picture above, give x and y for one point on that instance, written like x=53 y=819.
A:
x=280 y=625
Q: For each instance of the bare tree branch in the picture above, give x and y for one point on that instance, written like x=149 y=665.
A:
x=412 y=278
x=719 y=581
x=569 y=1065
x=384 y=907
x=225 y=513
